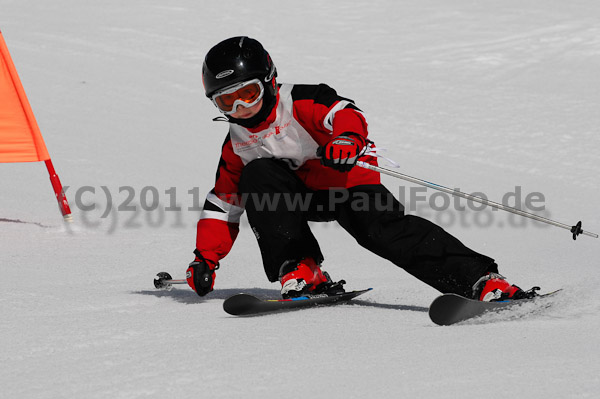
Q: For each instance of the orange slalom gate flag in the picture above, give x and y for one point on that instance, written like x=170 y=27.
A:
x=20 y=136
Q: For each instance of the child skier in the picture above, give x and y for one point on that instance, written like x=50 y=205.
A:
x=288 y=159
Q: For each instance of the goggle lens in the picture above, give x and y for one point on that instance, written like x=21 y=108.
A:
x=248 y=94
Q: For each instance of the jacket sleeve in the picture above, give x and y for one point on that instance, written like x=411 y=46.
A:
x=219 y=221
x=324 y=113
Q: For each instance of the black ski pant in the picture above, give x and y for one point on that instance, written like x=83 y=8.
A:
x=279 y=205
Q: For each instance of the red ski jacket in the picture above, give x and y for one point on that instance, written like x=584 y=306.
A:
x=304 y=118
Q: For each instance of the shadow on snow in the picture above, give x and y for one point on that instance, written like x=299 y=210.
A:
x=189 y=297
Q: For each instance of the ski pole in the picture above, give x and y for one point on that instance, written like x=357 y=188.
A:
x=164 y=281
x=576 y=229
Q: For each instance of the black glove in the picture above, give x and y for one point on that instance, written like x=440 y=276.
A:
x=342 y=152
x=200 y=276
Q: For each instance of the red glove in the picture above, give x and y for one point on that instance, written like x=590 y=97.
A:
x=200 y=276
x=342 y=152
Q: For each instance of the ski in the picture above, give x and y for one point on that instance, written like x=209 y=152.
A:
x=449 y=309
x=246 y=304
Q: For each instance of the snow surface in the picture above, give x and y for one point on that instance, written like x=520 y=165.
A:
x=486 y=96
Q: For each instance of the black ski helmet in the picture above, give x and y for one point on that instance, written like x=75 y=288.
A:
x=234 y=60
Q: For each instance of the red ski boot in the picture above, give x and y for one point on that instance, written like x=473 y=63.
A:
x=494 y=287
x=304 y=277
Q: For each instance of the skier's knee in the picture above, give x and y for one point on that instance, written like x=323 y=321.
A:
x=262 y=173
x=259 y=167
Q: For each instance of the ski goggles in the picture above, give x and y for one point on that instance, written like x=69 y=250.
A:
x=246 y=94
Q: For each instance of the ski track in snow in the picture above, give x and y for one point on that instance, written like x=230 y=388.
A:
x=485 y=96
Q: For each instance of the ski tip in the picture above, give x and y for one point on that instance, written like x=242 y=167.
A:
x=240 y=304
x=448 y=309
